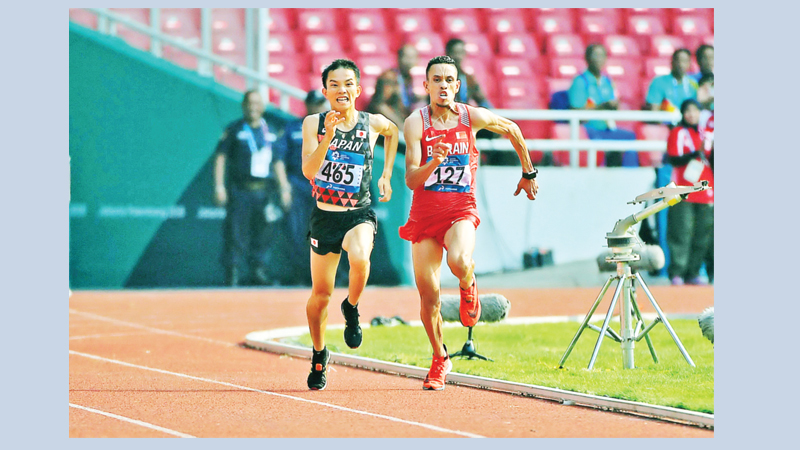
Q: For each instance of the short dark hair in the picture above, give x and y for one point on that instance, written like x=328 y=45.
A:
x=444 y=59
x=706 y=78
x=452 y=43
x=700 y=53
x=339 y=64
x=246 y=96
x=681 y=50
x=590 y=48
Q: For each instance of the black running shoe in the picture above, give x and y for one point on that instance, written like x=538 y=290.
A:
x=318 y=378
x=352 y=330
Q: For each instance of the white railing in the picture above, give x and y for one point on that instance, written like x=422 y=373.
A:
x=106 y=19
x=206 y=59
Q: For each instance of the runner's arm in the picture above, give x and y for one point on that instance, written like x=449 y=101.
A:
x=416 y=174
x=380 y=124
x=313 y=150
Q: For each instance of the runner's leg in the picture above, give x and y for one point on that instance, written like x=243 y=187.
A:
x=323 y=276
x=427 y=256
x=358 y=244
x=460 y=243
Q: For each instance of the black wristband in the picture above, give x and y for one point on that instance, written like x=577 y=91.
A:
x=530 y=175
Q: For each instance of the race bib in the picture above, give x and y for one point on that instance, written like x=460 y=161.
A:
x=452 y=175
x=341 y=171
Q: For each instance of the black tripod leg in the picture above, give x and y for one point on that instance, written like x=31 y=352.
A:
x=469 y=350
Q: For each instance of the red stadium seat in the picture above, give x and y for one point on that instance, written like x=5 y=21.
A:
x=366 y=21
x=691 y=25
x=555 y=21
x=623 y=68
x=645 y=25
x=629 y=91
x=287 y=65
x=281 y=44
x=621 y=46
x=557 y=84
x=374 y=65
x=321 y=60
x=510 y=67
x=652 y=132
x=412 y=22
x=503 y=21
x=476 y=45
x=428 y=44
x=459 y=22
x=317 y=21
x=564 y=45
x=279 y=20
x=323 y=44
x=520 y=93
x=83 y=17
x=518 y=45
x=368 y=83
x=183 y=22
x=665 y=45
x=371 y=44
x=567 y=67
x=599 y=23
x=654 y=67
x=230 y=45
x=227 y=19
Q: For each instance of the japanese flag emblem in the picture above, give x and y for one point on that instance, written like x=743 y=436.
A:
x=314 y=242
x=361 y=134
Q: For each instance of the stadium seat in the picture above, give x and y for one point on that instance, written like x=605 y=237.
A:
x=691 y=25
x=374 y=65
x=564 y=45
x=518 y=45
x=645 y=25
x=366 y=21
x=428 y=44
x=83 y=17
x=557 y=84
x=183 y=22
x=596 y=24
x=665 y=45
x=317 y=21
x=561 y=131
x=281 y=43
x=476 y=45
x=504 y=20
x=371 y=44
x=412 y=22
x=629 y=91
x=227 y=19
x=522 y=93
x=621 y=46
x=657 y=66
x=460 y=22
x=368 y=83
x=511 y=67
x=322 y=43
x=623 y=67
x=287 y=65
x=279 y=20
x=554 y=21
x=567 y=67
x=321 y=60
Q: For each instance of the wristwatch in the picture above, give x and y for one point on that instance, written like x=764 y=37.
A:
x=530 y=175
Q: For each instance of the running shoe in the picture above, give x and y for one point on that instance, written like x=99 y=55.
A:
x=440 y=367
x=318 y=378
x=469 y=310
x=352 y=330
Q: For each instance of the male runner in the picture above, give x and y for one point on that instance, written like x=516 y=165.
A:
x=337 y=158
x=441 y=164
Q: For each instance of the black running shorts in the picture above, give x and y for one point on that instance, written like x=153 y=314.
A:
x=327 y=228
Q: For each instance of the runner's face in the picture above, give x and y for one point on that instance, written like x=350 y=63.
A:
x=342 y=90
x=442 y=84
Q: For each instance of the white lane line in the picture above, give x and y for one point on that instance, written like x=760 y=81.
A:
x=151 y=329
x=134 y=421
x=300 y=399
x=107 y=335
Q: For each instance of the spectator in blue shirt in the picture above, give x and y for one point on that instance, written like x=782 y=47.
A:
x=668 y=92
x=594 y=90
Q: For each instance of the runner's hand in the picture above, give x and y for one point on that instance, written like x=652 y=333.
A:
x=385 y=188
x=531 y=187
x=332 y=119
x=440 y=150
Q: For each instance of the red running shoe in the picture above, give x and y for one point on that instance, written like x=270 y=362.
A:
x=440 y=367
x=469 y=310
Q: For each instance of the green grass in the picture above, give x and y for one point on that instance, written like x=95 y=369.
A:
x=530 y=354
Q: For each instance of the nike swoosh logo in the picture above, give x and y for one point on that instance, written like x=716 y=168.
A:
x=430 y=138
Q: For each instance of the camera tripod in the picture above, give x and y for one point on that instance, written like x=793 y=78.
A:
x=622 y=241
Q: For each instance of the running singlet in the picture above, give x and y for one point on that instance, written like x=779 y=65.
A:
x=346 y=172
x=451 y=186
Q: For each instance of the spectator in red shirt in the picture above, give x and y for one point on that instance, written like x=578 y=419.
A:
x=690 y=223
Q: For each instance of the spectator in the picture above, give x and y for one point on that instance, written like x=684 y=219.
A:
x=705 y=60
x=470 y=89
x=705 y=96
x=690 y=223
x=406 y=59
x=594 y=90
x=668 y=92
x=387 y=99
x=291 y=145
x=248 y=177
